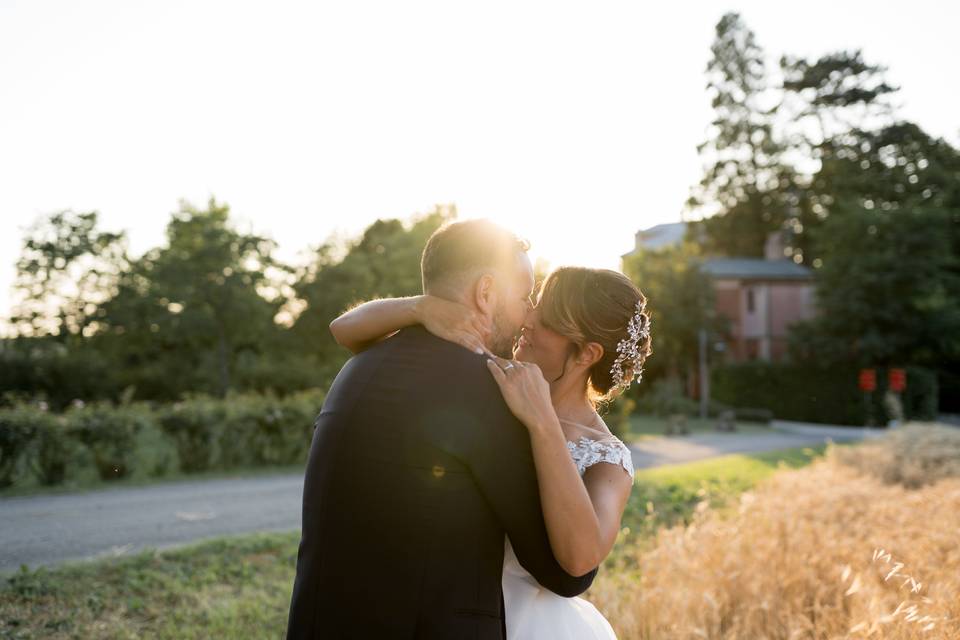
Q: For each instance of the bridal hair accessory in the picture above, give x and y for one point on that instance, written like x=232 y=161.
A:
x=628 y=349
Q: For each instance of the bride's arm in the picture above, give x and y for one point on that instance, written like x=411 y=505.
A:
x=582 y=519
x=368 y=323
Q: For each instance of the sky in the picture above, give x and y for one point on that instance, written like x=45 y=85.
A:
x=576 y=124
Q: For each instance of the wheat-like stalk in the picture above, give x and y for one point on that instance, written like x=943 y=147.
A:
x=769 y=567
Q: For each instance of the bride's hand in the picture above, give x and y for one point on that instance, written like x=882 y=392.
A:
x=525 y=390
x=454 y=322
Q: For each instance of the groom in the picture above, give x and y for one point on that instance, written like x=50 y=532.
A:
x=417 y=470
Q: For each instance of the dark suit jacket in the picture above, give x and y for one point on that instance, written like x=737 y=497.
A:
x=416 y=471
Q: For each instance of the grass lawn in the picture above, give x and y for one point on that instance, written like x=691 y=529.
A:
x=645 y=425
x=240 y=587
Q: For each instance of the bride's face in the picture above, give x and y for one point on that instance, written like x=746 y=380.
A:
x=542 y=346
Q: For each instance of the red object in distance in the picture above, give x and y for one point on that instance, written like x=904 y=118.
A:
x=897 y=380
x=868 y=379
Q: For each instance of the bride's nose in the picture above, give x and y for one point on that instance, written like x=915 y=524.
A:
x=529 y=319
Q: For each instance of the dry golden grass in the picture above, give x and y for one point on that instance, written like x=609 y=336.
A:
x=913 y=456
x=823 y=552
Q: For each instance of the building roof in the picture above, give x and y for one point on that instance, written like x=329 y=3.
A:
x=755 y=269
x=658 y=236
x=662 y=235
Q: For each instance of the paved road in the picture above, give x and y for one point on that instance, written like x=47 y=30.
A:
x=47 y=530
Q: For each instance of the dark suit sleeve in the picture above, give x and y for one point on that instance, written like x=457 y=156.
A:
x=501 y=461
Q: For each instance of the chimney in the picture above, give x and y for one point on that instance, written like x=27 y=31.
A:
x=773 y=248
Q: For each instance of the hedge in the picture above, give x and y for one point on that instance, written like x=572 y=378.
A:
x=809 y=393
x=243 y=430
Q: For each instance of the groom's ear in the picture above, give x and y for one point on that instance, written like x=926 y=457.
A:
x=485 y=295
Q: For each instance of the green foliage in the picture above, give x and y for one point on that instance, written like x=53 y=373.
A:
x=109 y=433
x=746 y=181
x=209 y=312
x=265 y=430
x=871 y=202
x=747 y=414
x=54 y=448
x=226 y=588
x=681 y=299
x=195 y=425
x=46 y=368
x=616 y=415
x=383 y=262
x=666 y=398
x=66 y=268
x=186 y=312
x=825 y=394
x=242 y=430
x=889 y=291
x=17 y=429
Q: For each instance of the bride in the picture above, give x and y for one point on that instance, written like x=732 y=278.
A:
x=582 y=343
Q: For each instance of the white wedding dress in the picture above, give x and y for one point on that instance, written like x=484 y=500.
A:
x=535 y=613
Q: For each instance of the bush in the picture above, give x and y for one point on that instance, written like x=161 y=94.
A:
x=810 y=393
x=753 y=415
x=616 y=414
x=17 y=428
x=109 y=433
x=285 y=431
x=53 y=448
x=265 y=430
x=195 y=426
x=666 y=398
x=46 y=368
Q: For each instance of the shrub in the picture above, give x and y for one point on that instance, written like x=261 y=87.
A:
x=53 y=448
x=811 y=393
x=109 y=433
x=666 y=398
x=265 y=430
x=753 y=415
x=195 y=426
x=285 y=434
x=17 y=429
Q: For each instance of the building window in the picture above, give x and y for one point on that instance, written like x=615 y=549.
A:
x=751 y=303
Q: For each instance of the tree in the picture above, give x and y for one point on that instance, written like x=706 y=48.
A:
x=383 y=262
x=681 y=301
x=186 y=312
x=66 y=268
x=838 y=98
x=888 y=253
x=887 y=292
x=745 y=178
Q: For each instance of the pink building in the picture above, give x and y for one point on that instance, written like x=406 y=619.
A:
x=761 y=297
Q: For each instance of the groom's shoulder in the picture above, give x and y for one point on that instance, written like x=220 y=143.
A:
x=457 y=362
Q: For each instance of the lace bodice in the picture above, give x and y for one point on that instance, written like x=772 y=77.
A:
x=587 y=452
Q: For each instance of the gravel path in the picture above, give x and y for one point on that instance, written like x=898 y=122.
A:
x=47 y=530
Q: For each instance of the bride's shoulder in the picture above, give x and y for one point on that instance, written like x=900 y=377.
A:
x=589 y=450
